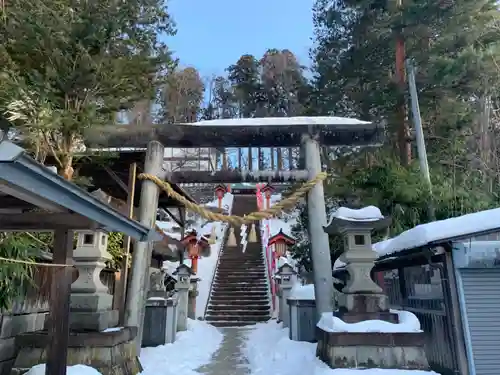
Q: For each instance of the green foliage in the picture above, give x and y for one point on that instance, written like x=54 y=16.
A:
x=399 y=192
x=69 y=66
x=456 y=47
x=15 y=277
x=115 y=248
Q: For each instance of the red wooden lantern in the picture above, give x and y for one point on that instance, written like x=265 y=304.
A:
x=220 y=190
x=281 y=241
x=267 y=190
x=194 y=248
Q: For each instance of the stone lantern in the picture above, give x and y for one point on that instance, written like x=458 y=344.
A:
x=195 y=248
x=361 y=299
x=267 y=190
x=91 y=302
x=183 y=285
x=285 y=281
x=220 y=190
x=281 y=243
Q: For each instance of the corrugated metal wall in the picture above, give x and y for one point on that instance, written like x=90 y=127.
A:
x=481 y=297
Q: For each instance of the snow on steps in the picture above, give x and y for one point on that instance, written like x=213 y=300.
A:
x=240 y=291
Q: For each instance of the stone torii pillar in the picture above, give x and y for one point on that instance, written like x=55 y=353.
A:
x=141 y=257
x=320 y=247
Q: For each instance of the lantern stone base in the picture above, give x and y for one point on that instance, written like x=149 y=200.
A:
x=91 y=301
x=372 y=350
x=93 y=321
x=355 y=308
x=158 y=294
x=111 y=353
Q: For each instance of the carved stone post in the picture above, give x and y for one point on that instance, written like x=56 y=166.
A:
x=285 y=273
x=91 y=302
x=183 y=284
x=193 y=293
x=157 y=284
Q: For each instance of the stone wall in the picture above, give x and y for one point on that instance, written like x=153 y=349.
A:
x=26 y=316
x=29 y=313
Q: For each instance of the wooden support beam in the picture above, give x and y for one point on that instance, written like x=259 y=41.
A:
x=122 y=284
x=224 y=160
x=234 y=176
x=60 y=292
x=44 y=221
x=8 y=201
x=178 y=220
x=250 y=161
x=117 y=179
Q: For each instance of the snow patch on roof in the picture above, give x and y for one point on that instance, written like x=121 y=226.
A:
x=282 y=121
x=441 y=230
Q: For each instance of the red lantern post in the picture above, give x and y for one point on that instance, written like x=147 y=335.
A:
x=194 y=248
x=220 y=190
x=268 y=190
x=281 y=242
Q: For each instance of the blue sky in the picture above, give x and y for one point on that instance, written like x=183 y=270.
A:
x=212 y=34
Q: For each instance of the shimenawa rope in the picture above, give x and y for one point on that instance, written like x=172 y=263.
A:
x=278 y=208
x=281 y=206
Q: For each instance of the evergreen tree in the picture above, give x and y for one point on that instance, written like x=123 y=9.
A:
x=183 y=96
x=68 y=66
x=455 y=47
x=245 y=81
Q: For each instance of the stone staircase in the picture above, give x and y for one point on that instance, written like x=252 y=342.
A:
x=240 y=291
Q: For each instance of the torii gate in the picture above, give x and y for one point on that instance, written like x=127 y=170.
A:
x=306 y=132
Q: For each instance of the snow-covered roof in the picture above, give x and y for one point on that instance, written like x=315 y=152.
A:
x=441 y=231
x=283 y=121
x=117 y=149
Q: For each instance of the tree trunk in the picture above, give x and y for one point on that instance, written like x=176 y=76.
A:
x=66 y=169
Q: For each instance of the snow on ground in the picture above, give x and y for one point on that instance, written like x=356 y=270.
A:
x=191 y=350
x=206 y=265
x=408 y=323
x=270 y=351
x=71 y=370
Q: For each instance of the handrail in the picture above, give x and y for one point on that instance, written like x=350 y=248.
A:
x=265 y=249
x=225 y=234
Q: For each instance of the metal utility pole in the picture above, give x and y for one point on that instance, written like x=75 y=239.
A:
x=419 y=134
